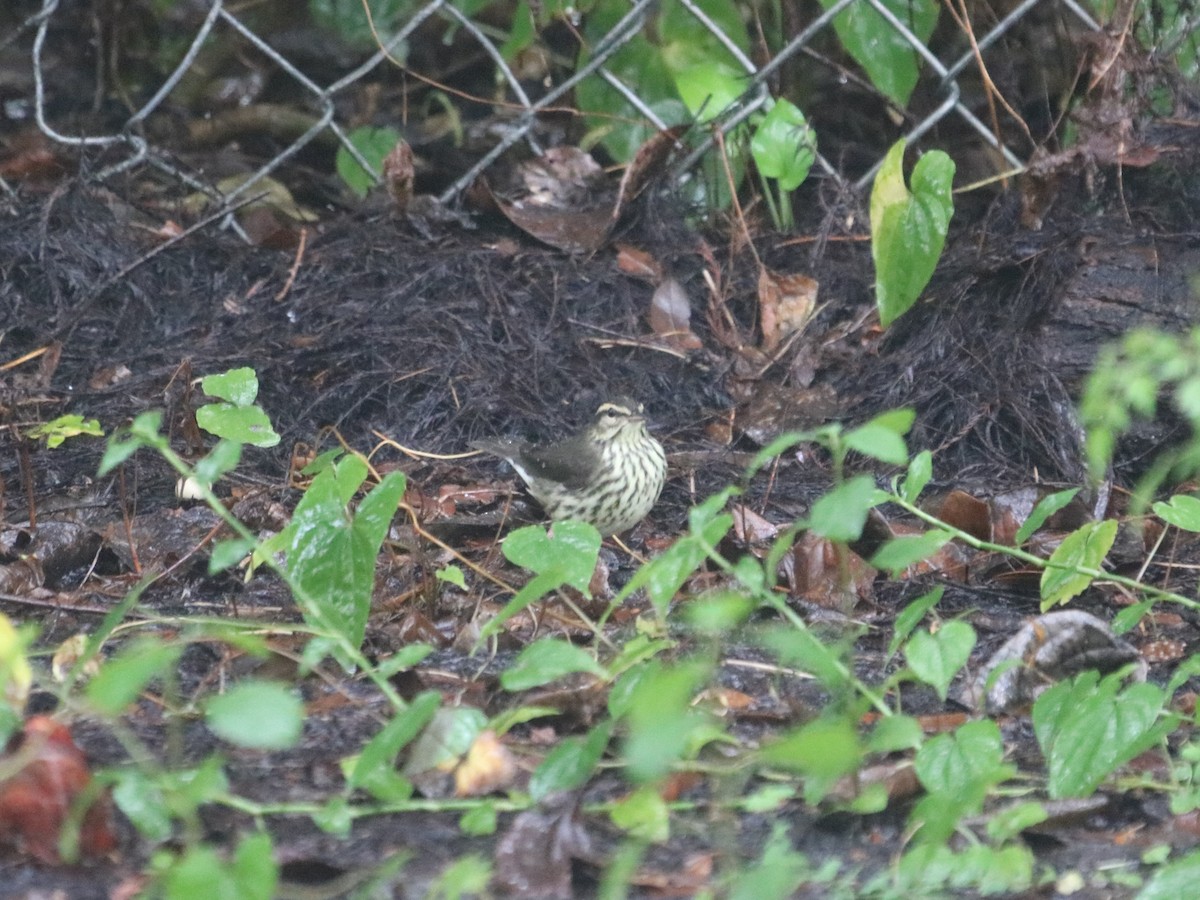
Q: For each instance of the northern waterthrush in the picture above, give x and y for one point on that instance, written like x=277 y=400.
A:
x=609 y=475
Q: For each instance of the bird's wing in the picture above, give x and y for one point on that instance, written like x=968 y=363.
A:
x=572 y=463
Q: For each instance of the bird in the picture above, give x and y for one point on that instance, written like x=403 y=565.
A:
x=608 y=475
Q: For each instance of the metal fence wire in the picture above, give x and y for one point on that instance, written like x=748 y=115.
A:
x=128 y=147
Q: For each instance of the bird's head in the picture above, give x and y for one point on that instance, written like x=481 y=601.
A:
x=619 y=419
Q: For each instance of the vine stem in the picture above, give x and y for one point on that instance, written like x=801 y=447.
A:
x=1023 y=555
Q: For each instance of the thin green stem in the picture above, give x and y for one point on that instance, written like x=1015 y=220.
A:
x=1039 y=562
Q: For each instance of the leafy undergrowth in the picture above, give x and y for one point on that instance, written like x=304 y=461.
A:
x=674 y=734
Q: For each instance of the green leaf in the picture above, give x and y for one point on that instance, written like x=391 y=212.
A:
x=957 y=770
x=452 y=575
x=262 y=715
x=254 y=870
x=841 y=514
x=244 y=424
x=707 y=76
x=889 y=60
x=643 y=814
x=335 y=817
x=502 y=723
x=380 y=752
x=144 y=431
x=68 y=426
x=882 y=438
x=189 y=789
x=330 y=556
x=660 y=717
x=446 y=738
x=899 y=553
x=228 y=553
x=569 y=551
x=780 y=445
x=911 y=615
x=534 y=590
x=1174 y=880
x=719 y=613
x=564 y=556
x=467 y=876
x=936 y=658
x=768 y=799
x=908 y=230
x=778 y=873
x=571 y=763
x=1088 y=726
x=141 y=800
x=655 y=71
x=374 y=144
x=1084 y=548
x=223 y=458
x=804 y=650
x=1005 y=824
x=823 y=751
x=709 y=87
x=664 y=575
x=960 y=762
x=480 y=821
x=1046 y=507
x=784 y=147
x=547 y=660
x=927 y=869
x=920 y=470
x=122 y=678
x=405 y=658
x=636 y=651
x=237 y=386
x=895 y=733
x=347 y=19
x=199 y=873
x=1182 y=511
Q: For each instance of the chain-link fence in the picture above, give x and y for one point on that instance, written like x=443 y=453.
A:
x=950 y=69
